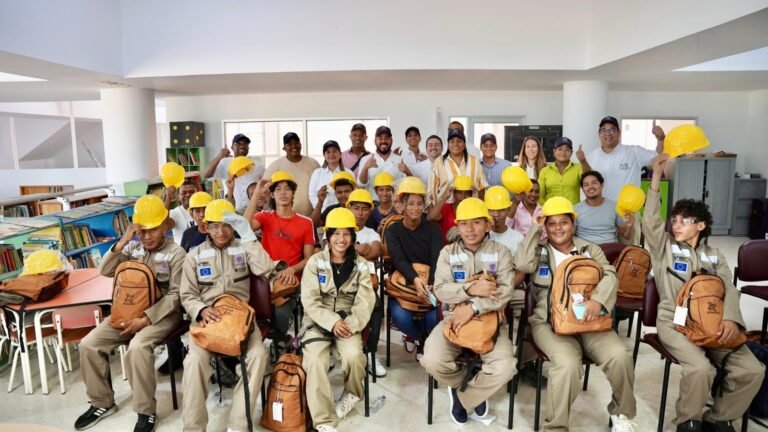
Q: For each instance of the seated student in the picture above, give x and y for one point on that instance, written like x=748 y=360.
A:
x=598 y=221
x=565 y=352
x=180 y=219
x=675 y=257
x=142 y=335
x=285 y=235
x=338 y=300
x=384 y=186
x=221 y=264
x=196 y=234
x=444 y=212
x=342 y=184
x=415 y=239
x=498 y=203
x=474 y=253
x=525 y=210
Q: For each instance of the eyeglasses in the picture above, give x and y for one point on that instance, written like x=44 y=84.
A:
x=683 y=221
x=609 y=131
x=217 y=226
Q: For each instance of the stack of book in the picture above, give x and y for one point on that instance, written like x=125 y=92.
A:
x=48 y=238
x=86 y=260
x=10 y=260
x=120 y=223
x=77 y=236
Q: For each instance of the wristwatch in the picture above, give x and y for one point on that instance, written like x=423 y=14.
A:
x=474 y=308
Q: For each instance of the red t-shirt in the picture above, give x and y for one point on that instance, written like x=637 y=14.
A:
x=448 y=221
x=284 y=238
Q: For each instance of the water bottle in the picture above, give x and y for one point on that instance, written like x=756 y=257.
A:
x=378 y=403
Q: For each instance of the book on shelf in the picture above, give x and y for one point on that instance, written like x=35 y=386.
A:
x=194 y=158
x=77 y=236
x=91 y=259
x=10 y=260
x=21 y=210
x=120 y=223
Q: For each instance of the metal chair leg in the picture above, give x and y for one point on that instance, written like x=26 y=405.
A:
x=172 y=368
x=430 y=393
x=586 y=378
x=218 y=380
x=636 y=349
x=246 y=393
x=539 y=371
x=745 y=421
x=389 y=331
x=763 y=335
x=663 y=406
x=263 y=395
x=367 y=394
x=511 y=395
x=629 y=325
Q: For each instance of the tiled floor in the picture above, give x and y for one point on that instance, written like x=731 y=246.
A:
x=405 y=389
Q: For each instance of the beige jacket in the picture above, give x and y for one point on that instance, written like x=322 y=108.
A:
x=538 y=260
x=210 y=272
x=673 y=264
x=166 y=262
x=457 y=264
x=323 y=300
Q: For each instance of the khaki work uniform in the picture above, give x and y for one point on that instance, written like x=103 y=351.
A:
x=673 y=263
x=208 y=273
x=565 y=352
x=454 y=267
x=322 y=301
x=165 y=315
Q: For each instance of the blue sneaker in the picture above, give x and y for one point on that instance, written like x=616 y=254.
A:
x=458 y=412
x=482 y=409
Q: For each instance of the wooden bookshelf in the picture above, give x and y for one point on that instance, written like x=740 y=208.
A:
x=75 y=200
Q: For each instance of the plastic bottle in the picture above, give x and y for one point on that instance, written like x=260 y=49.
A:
x=378 y=403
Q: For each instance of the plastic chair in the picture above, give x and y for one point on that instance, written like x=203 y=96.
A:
x=751 y=268
x=12 y=332
x=72 y=324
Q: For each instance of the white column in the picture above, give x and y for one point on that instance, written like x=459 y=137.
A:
x=584 y=104
x=758 y=131
x=130 y=138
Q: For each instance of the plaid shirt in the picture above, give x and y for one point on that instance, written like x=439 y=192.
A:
x=493 y=171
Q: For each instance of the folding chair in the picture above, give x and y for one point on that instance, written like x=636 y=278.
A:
x=751 y=268
x=72 y=324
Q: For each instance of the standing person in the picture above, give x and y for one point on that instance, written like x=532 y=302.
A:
x=458 y=262
x=222 y=264
x=301 y=167
x=219 y=168
x=620 y=163
x=492 y=166
x=181 y=219
x=353 y=157
x=675 y=258
x=563 y=177
x=566 y=352
x=443 y=212
x=453 y=163
x=165 y=258
x=471 y=149
x=320 y=182
x=338 y=301
x=411 y=153
x=384 y=160
x=531 y=157
x=525 y=210
x=423 y=169
x=384 y=186
x=599 y=223
x=196 y=234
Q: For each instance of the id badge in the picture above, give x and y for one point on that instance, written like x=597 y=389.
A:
x=681 y=315
x=238 y=263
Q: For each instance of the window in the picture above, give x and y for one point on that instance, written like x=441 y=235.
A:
x=637 y=131
x=475 y=127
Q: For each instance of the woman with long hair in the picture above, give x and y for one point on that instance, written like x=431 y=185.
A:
x=531 y=157
x=321 y=177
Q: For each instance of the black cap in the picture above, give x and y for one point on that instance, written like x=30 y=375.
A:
x=241 y=137
x=611 y=120
x=412 y=129
x=290 y=136
x=564 y=141
x=331 y=143
x=383 y=130
x=359 y=127
x=456 y=133
x=488 y=137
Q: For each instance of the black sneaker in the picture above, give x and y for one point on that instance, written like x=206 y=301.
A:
x=717 y=426
x=689 y=426
x=482 y=409
x=529 y=375
x=228 y=375
x=93 y=416
x=458 y=412
x=145 y=423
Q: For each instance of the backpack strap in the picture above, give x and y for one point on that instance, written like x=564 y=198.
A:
x=717 y=385
x=357 y=163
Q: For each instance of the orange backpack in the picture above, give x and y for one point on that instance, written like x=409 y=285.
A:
x=287 y=392
x=386 y=223
x=229 y=334
x=407 y=295
x=577 y=274
x=703 y=296
x=134 y=290
x=632 y=268
x=33 y=288
x=478 y=334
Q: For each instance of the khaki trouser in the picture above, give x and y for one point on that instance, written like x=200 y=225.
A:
x=498 y=366
x=316 y=356
x=565 y=353
x=742 y=381
x=197 y=370
x=139 y=362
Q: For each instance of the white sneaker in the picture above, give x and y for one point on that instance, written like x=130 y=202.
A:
x=410 y=344
x=381 y=371
x=620 y=423
x=325 y=428
x=345 y=405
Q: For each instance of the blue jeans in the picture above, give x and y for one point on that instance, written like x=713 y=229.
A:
x=416 y=329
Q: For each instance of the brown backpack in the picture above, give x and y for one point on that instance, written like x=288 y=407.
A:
x=282 y=290
x=287 y=390
x=703 y=296
x=407 y=295
x=134 y=290
x=33 y=288
x=383 y=226
x=577 y=274
x=228 y=335
x=478 y=334
x=632 y=268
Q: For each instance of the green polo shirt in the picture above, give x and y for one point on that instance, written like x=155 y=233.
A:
x=567 y=184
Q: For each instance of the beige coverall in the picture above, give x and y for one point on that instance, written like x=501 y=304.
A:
x=565 y=352
x=208 y=273
x=673 y=263
x=166 y=262
x=322 y=302
x=454 y=267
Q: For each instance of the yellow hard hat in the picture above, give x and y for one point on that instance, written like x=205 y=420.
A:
x=497 y=198
x=462 y=183
x=172 y=174
x=631 y=200
x=684 y=139
x=558 y=205
x=340 y=217
x=279 y=176
x=361 y=196
x=149 y=212
x=240 y=166
x=516 y=180
x=472 y=208
x=215 y=210
x=43 y=261
x=343 y=175
x=199 y=200
x=411 y=185
x=383 y=179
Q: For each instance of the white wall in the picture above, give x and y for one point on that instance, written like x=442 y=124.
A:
x=757 y=137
